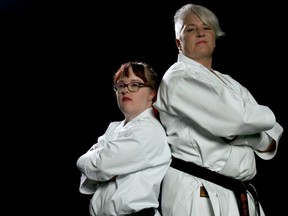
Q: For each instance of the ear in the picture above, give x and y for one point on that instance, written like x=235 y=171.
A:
x=178 y=44
x=152 y=95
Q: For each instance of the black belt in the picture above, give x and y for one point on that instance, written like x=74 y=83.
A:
x=238 y=187
x=144 y=212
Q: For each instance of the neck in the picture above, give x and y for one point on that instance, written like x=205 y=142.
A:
x=206 y=61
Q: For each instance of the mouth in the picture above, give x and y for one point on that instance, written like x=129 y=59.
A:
x=125 y=99
x=201 y=42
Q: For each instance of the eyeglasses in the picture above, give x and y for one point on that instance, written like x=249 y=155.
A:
x=132 y=87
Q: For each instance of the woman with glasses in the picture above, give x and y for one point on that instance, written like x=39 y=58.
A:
x=124 y=169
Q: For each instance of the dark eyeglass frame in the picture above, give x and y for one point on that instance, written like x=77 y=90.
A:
x=119 y=87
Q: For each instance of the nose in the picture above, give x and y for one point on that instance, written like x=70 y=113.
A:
x=200 y=32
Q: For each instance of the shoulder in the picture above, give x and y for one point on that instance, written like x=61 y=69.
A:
x=113 y=125
x=147 y=125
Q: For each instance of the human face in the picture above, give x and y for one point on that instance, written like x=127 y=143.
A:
x=197 y=40
x=133 y=103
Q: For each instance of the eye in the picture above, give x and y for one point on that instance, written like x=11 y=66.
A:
x=190 y=29
x=207 y=28
x=134 y=84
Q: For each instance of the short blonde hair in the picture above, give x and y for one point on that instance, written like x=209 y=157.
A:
x=204 y=14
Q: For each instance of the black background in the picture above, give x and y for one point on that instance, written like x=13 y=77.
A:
x=58 y=59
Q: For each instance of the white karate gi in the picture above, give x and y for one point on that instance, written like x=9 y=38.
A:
x=138 y=154
x=197 y=108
